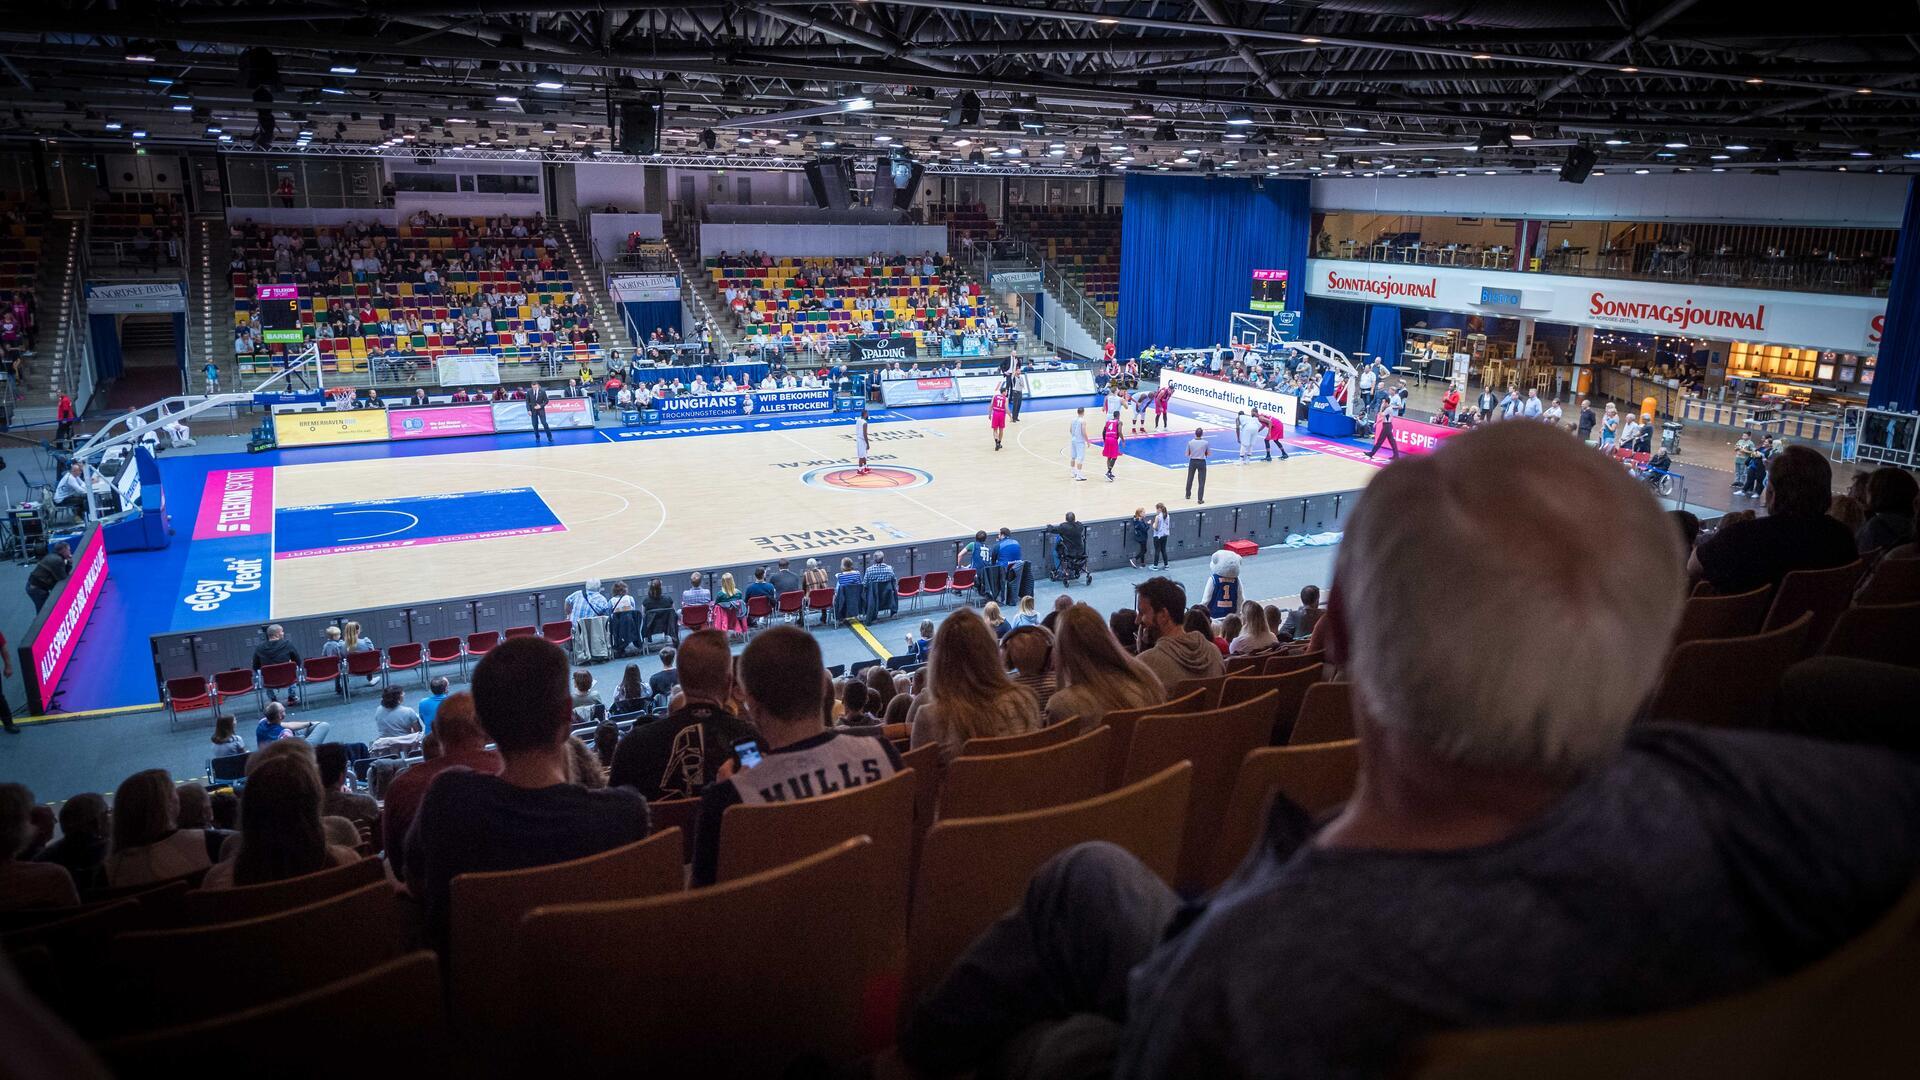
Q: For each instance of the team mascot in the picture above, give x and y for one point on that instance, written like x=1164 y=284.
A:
x=1223 y=588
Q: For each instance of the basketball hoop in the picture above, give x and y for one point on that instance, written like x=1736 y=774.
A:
x=339 y=395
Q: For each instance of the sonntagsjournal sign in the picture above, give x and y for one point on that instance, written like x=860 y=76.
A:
x=1809 y=320
x=49 y=644
x=1221 y=396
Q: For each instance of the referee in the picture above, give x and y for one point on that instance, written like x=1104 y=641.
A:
x=537 y=412
x=1197 y=452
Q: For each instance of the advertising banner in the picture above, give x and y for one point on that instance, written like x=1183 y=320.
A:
x=765 y=403
x=645 y=288
x=562 y=412
x=440 y=421
x=1220 y=396
x=965 y=345
x=117 y=299
x=1015 y=281
x=50 y=644
x=330 y=428
x=882 y=348
x=934 y=391
x=235 y=502
x=1060 y=383
x=1420 y=437
x=458 y=369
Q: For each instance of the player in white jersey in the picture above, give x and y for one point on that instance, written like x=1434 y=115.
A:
x=1245 y=431
x=860 y=441
x=1077 y=442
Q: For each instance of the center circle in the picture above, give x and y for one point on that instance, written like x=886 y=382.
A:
x=876 y=478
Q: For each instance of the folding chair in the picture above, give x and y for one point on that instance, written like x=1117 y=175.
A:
x=321 y=669
x=407 y=657
x=793 y=605
x=445 y=650
x=559 y=632
x=934 y=584
x=694 y=617
x=906 y=588
x=759 y=610
x=188 y=692
x=365 y=664
x=821 y=601
x=480 y=644
x=522 y=631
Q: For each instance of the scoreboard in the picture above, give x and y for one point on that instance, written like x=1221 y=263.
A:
x=1269 y=290
x=279 y=307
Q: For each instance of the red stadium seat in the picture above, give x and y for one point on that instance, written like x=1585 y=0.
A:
x=934 y=584
x=233 y=684
x=759 y=610
x=277 y=677
x=406 y=657
x=366 y=664
x=560 y=633
x=908 y=588
x=446 y=650
x=962 y=582
x=479 y=645
x=522 y=631
x=694 y=616
x=793 y=604
x=820 y=600
x=189 y=692
x=321 y=669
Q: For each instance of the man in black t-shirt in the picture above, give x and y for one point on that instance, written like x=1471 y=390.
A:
x=677 y=756
x=532 y=813
x=1796 y=534
x=800 y=758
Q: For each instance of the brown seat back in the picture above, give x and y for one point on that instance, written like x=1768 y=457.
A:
x=1051 y=735
x=760 y=837
x=1281 y=663
x=201 y=907
x=1822 y=593
x=1215 y=742
x=394 y=1008
x=812 y=945
x=680 y=814
x=976 y=869
x=1208 y=688
x=1707 y=618
x=1316 y=778
x=982 y=786
x=1122 y=721
x=1289 y=687
x=1893 y=581
x=259 y=959
x=1887 y=633
x=1850 y=1014
x=486 y=909
x=1326 y=715
x=1731 y=682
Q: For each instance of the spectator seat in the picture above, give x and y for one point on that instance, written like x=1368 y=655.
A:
x=1123 y=721
x=989 y=785
x=1326 y=715
x=694 y=617
x=1822 y=593
x=821 y=601
x=1214 y=742
x=1051 y=735
x=204 y=907
x=1281 y=663
x=1291 y=689
x=793 y=604
x=446 y=650
x=409 y=656
x=1893 y=581
x=277 y=677
x=1731 y=682
x=186 y=693
x=560 y=632
x=522 y=631
x=759 y=837
x=1209 y=689
x=1316 y=778
x=1711 y=617
x=1887 y=633
x=482 y=643
x=365 y=664
x=235 y=683
x=321 y=669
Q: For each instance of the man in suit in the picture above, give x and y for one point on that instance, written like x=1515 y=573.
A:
x=537 y=411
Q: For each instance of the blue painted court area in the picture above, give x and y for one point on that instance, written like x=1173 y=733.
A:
x=414 y=521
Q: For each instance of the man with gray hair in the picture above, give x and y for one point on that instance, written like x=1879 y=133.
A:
x=1515 y=851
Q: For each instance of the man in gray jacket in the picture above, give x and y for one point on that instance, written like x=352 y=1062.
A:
x=1173 y=653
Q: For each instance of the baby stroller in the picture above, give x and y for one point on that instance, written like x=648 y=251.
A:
x=1067 y=553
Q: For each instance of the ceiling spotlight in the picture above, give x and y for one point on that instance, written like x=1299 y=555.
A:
x=1675 y=144
x=1616 y=140
x=1755 y=81
x=1357 y=129
x=1482 y=56
x=139 y=52
x=1641 y=172
x=883 y=138
x=1140 y=110
x=1864 y=90
x=1737 y=147
x=1023 y=103
x=828 y=142
x=506 y=99
x=1629 y=70
x=1239 y=118
x=1522 y=134
x=549 y=79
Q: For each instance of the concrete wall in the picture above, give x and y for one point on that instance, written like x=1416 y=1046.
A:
x=1800 y=198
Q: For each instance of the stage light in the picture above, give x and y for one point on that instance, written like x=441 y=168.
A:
x=1239 y=118
x=549 y=79
x=858 y=104
x=1140 y=110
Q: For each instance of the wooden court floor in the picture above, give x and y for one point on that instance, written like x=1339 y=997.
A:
x=636 y=509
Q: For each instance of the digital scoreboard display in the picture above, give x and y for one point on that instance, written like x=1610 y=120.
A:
x=279 y=307
x=1269 y=290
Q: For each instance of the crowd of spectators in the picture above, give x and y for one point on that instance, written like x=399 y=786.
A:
x=1496 y=811
x=811 y=301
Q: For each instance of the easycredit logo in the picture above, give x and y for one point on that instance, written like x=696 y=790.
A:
x=1383 y=287
x=1685 y=315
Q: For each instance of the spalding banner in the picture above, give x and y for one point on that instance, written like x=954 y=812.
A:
x=882 y=348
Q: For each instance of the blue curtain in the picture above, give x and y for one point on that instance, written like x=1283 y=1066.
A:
x=643 y=318
x=103 y=332
x=180 y=340
x=1383 y=333
x=1188 y=250
x=1896 y=378
x=1339 y=323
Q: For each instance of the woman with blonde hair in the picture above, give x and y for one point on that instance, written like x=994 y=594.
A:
x=995 y=622
x=729 y=605
x=1096 y=676
x=148 y=843
x=969 y=694
x=1256 y=635
x=1027 y=615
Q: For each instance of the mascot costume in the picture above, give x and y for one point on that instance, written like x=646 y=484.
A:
x=1223 y=588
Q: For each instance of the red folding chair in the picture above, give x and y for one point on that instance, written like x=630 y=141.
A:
x=189 y=692
x=365 y=664
x=759 y=609
x=560 y=633
x=962 y=582
x=820 y=600
x=406 y=658
x=934 y=584
x=694 y=616
x=277 y=677
x=445 y=650
x=479 y=645
x=522 y=631
x=794 y=605
x=321 y=669
x=235 y=683
x=907 y=588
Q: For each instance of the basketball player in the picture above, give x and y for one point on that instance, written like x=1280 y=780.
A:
x=1141 y=401
x=1273 y=431
x=1244 y=430
x=1111 y=436
x=997 y=415
x=1160 y=400
x=860 y=443
x=1077 y=443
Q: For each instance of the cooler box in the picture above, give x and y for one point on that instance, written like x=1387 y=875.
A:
x=1246 y=549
